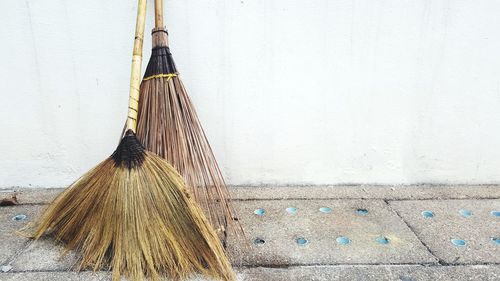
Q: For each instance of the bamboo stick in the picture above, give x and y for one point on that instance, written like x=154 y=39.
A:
x=158 y=13
x=135 y=75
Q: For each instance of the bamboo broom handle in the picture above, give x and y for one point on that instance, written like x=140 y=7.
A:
x=135 y=76
x=159 y=13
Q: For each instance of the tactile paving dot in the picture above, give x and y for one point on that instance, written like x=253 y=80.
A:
x=259 y=212
x=316 y=235
x=461 y=234
x=428 y=214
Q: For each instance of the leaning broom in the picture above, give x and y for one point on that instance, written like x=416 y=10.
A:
x=132 y=213
x=168 y=126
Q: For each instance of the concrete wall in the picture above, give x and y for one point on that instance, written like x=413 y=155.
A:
x=289 y=92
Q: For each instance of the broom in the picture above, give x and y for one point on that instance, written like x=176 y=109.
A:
x=167 y=125
x=132 y=212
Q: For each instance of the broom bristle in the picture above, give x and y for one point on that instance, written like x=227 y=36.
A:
x=168 y=126
x=132 y=213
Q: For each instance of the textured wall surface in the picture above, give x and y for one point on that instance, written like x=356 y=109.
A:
x=289 y=92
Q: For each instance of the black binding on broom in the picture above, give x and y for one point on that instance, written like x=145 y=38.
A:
x=159 y=30
x=130 y=152
x=161 y=62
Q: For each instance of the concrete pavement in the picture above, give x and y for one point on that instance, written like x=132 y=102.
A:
x=314 y=233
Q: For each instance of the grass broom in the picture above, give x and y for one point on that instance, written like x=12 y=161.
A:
x=132 y=212
x=167 y=125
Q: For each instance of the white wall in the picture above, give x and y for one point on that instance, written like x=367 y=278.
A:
x=289 y=92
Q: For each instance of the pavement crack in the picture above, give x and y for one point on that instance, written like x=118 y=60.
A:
x=439 y=261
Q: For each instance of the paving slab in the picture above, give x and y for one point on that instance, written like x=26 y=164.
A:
x=54 y=276
x=364 y=273
x=281 y=230
x=71 y=276
x=387 y=192
x=454 y=221
x=301 y=273
x=308 y=236
x=11 y=242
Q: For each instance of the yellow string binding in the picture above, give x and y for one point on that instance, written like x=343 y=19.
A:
x=168 y=76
